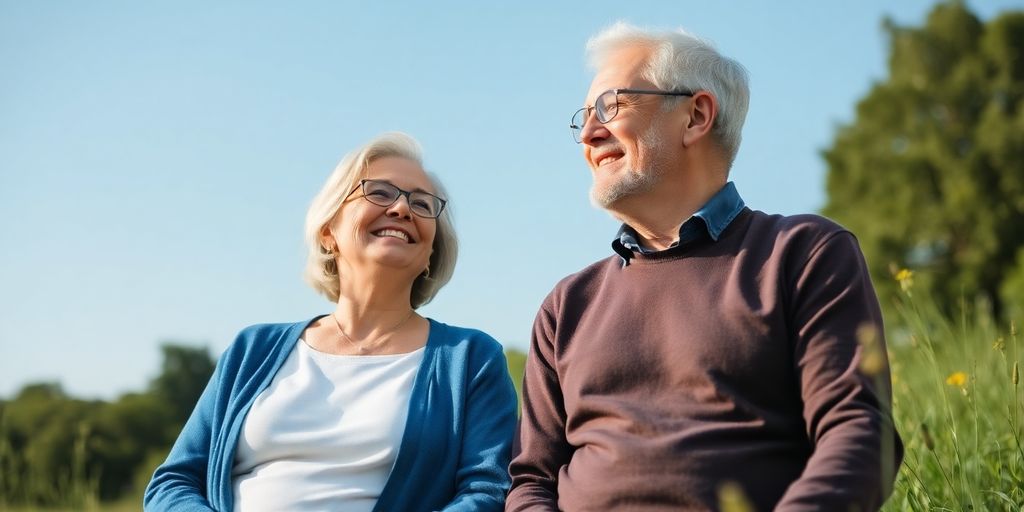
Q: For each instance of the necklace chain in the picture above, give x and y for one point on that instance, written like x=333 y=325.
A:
x=368 y=346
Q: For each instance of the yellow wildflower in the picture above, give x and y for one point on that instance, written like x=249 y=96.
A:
x=958 y=379
x=906 y=279
x=731 y=498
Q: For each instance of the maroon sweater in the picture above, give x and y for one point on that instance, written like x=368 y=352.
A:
x=650 y=386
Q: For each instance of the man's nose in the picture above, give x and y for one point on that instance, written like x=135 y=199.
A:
x=593 y=130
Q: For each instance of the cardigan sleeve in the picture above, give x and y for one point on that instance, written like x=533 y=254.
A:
x=834 y=311
x=180 y=483
x=482 y=480
x=541 y=447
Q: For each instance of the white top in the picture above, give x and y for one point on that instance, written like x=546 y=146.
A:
x=325 y=434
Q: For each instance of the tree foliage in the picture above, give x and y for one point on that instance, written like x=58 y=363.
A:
x=930 y=174
x=41 y=436
x=183 y=377
x=56 y=450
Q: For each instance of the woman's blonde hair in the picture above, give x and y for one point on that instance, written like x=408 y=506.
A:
x=322 y=271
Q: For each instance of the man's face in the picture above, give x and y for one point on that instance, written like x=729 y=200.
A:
x=629 y=154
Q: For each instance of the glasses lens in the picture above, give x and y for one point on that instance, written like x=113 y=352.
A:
x=380 y=193
x=607 y=106
x=576 y=124
x=424 y=205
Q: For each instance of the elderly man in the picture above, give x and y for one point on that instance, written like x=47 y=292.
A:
x=720 y=355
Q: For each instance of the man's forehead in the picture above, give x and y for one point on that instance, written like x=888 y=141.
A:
x=623 y=67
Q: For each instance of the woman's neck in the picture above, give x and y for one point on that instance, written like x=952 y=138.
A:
x=369 y=306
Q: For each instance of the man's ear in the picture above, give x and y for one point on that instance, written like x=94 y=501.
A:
x=703 y=112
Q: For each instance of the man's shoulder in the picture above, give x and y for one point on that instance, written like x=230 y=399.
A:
x=805 y=227
x=589 y=273
x=583 y=281
x=793 y=240
x=791 y=223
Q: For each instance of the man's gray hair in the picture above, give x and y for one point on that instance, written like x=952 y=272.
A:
x=681 y=61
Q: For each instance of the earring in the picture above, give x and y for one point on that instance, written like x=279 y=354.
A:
x=426 y=273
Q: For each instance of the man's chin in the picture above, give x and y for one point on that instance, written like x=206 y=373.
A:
x=606 y=197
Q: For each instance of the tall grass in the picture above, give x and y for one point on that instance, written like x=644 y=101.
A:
x=26 y=481
x=957 y=405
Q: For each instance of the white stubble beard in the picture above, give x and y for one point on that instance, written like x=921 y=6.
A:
x=632 y=181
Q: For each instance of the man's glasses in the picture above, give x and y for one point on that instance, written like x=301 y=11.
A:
x=382 y=193
x=607 y=106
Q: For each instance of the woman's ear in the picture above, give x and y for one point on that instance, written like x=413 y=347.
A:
x=327 y=239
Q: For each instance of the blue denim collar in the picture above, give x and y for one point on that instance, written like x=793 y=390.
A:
x=712 y=218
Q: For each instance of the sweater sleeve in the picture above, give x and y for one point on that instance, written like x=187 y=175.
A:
x=481 y=480
x=541 y=448
x=836 y=321
x=179 y=484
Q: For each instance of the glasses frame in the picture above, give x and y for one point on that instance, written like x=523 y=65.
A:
x=578 y=130
x=401 y=192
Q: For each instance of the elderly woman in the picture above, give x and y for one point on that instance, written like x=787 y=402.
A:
x=370 y=407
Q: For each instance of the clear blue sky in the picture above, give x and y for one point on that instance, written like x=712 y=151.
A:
x=156 y=159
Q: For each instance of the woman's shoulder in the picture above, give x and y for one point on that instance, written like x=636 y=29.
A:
x=273 y=329
x=266 y=337
x=454 y=337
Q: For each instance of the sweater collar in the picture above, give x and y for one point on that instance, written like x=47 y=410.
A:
x=710 y=219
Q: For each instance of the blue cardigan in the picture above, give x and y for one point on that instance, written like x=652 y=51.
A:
x=454 y=453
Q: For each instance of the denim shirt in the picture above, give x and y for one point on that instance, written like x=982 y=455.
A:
x=712 y=218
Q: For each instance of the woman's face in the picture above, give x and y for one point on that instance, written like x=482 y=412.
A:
x=368 y=235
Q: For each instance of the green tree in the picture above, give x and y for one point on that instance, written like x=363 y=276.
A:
x=182 y=378
x=123 y=434
x=56 y=450
x=45 y=459
x=930 y=174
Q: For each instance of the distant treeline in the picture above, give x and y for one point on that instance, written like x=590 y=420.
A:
x=57 y=450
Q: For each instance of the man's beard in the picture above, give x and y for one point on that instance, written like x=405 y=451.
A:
x=632 y=181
